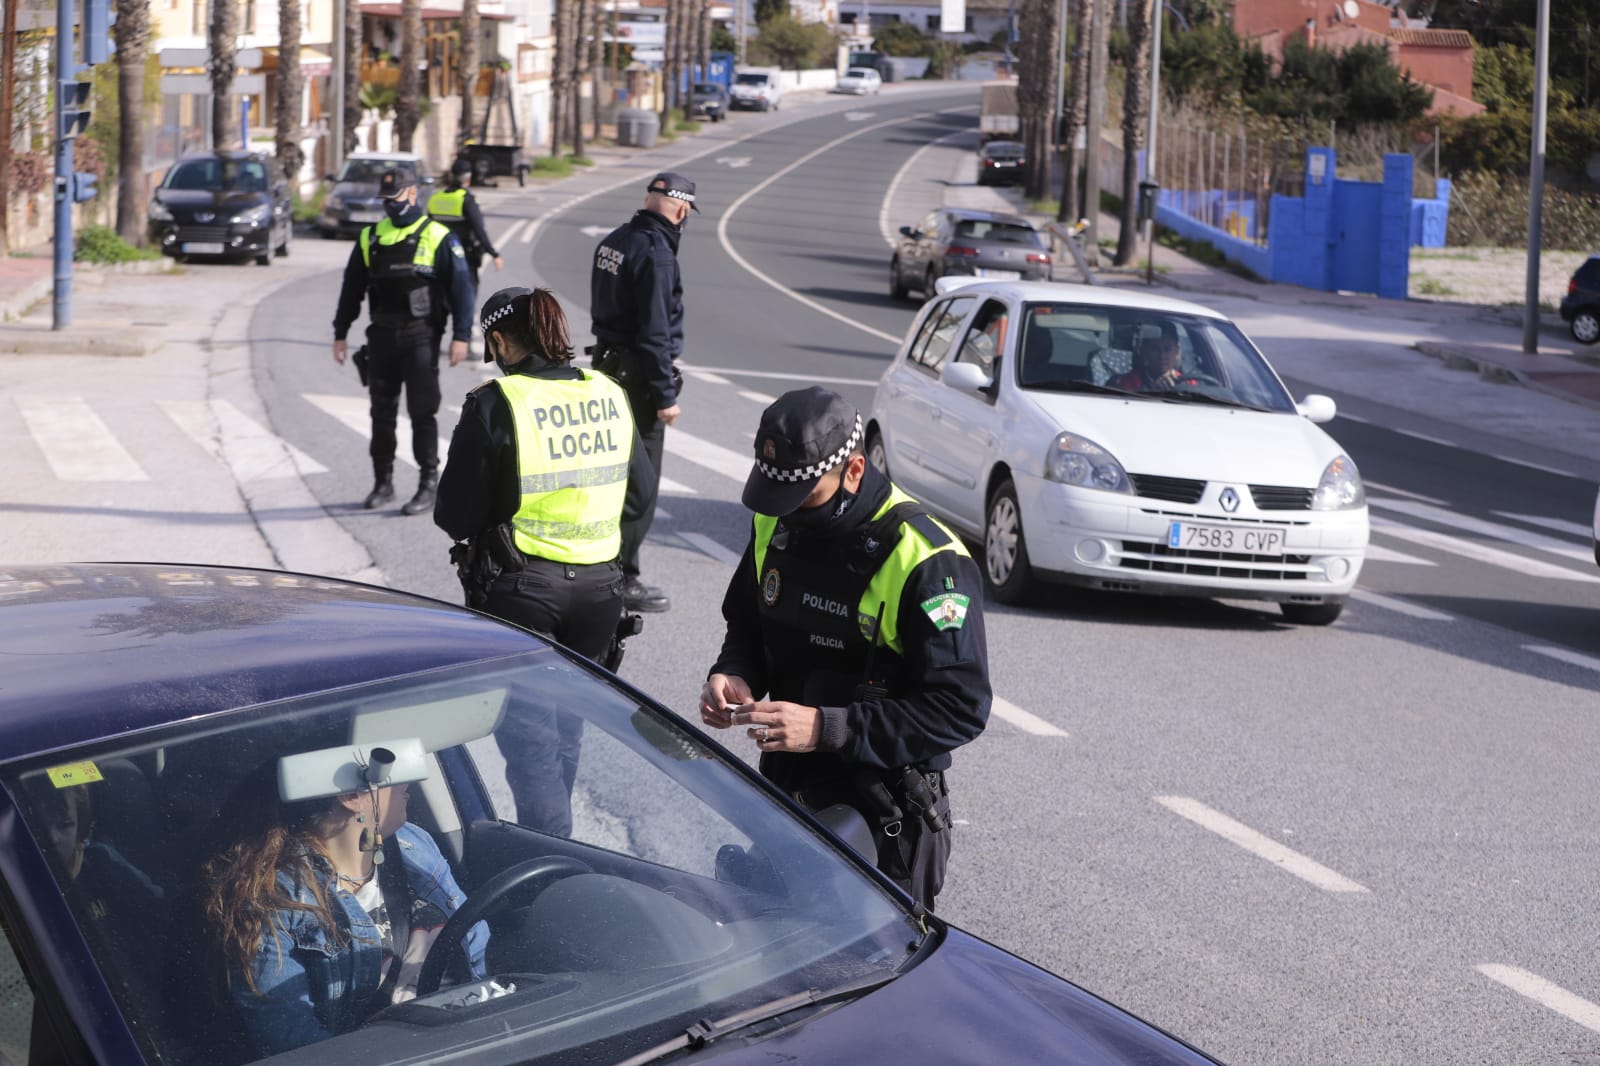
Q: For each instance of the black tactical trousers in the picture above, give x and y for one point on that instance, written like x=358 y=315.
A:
x=653 y=435
x=405 y=357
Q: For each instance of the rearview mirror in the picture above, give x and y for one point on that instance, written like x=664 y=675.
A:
x=966 y=377
x=1317 y=407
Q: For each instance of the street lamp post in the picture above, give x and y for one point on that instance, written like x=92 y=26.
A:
x=1541 y=90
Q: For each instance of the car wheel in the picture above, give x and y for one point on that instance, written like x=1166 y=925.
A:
x=1006 y=571
x=328 y=234
x=282 y=250
x=1312 y=614
x=897 y=287
x=876 y=455
x=1586 y=325
x=264 y=260
x=928 y=282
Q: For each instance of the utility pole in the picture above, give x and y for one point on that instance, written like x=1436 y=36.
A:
x=8 y=60
x=336 y=149
x=1541 y=92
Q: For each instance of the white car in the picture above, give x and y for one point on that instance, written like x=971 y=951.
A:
x=755 y=89
x=1118 y=441
x=859 y=80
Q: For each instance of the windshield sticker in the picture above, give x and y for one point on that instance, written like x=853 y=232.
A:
x=947 y=610
x=77 y=773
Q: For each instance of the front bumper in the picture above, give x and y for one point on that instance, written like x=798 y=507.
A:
x=1118 y=542
x=748 y=103
x=224 y=239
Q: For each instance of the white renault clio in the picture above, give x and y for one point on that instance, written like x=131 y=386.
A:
x=1119 y=441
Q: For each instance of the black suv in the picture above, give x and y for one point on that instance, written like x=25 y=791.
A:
x=230 y=204
x=1581 y=307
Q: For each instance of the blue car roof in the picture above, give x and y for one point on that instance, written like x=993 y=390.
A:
x=94 y=650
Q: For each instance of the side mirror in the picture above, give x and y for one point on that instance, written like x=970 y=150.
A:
x=1317 y=407
x=966 y=377
x=907 y=231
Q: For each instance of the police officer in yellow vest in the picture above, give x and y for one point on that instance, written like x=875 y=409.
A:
x=457 y=208
x=551 y=451
x=855 y=653
x=413 y=273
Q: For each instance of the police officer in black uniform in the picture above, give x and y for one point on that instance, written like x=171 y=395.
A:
x=636 y=303
x=855 y=650
x=545 y=458
x=413 y=273
x=458 y=209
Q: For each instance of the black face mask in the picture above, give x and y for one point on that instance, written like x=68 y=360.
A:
x=824 y=517
x=400 y=212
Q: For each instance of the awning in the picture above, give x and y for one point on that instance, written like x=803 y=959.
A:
x=314 y=62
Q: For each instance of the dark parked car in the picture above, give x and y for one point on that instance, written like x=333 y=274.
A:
x=353 y=204
x=709 y=99
x=1580 y=309
x=1002 y=162
x=954 y=240
x=662 y=898
x=230 y=204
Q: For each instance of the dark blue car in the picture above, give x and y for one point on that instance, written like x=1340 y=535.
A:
x=246 y=813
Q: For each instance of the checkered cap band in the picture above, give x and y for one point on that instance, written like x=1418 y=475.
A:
x=496 y=315
x=686 y=197
x=815 y=470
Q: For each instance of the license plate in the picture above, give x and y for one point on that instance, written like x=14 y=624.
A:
x=365 y=216
x=1010 y=275
x=202 y=247
x=1193 y=536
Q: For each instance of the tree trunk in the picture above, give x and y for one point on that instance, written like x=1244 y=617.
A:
x=224 y=43
x=408 y=103
x=352 y=73
x=704 y=52
x=8 y=66
x=1037 y=29
x=669 y=95
x=580 y=69
x=1136 y=105
x=560 y=105
x=132 y=34
x=1079 y=12
x=597 y=29
x=470 y=62
x=291 y=92
x=1099 y=60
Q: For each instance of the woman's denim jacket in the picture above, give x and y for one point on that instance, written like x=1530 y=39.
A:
x=309 y=988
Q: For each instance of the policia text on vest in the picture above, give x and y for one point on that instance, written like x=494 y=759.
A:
x=585 y=423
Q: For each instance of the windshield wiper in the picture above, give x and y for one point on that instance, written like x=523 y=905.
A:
x=1077 y=386
x=1184 y=396
x=703 y=1033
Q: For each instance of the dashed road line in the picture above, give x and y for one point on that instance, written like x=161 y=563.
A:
x=709 y=376
x=1260 y=845
x=785 y=375
x=1405 y=607
x=1481 y=553
x=1414 y=435
x=1377 y=553
x=356 y=415
x=1477 y=526
x=758 y=397
x=1582 y=530
x=1545 y=993
x=1570 y=657
x=1023 y=720
x=712 y=548
x=1407 y=493
x=256 y=453
x=1534 y=466
x=715 y=457
x=75 y=442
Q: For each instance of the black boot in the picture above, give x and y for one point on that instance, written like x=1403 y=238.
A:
x=423 y=500
x=382 y=488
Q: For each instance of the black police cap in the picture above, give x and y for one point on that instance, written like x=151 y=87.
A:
x=674 y=185
x=395 y=181
x=803 y=435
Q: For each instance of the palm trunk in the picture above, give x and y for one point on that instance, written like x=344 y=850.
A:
x=560 y=106
x=291 y=92
x=580 y=64
x=470 y=62
x=352 y=73
x=1136 y=104
x=224 y=44
x=407 y=106
x=669 y=95
x=1037 y=29
x=8 y=66
x=1080 y=13
x=132 y=31
x=597 y=24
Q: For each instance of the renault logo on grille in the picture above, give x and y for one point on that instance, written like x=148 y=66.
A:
x=1229 y=500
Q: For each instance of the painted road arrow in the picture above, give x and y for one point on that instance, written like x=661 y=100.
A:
x=734 y=161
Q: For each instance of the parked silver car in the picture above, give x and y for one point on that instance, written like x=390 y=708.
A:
x=952 y=240
x=352 y=204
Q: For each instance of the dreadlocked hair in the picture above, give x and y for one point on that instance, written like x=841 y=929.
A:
x=542 y=331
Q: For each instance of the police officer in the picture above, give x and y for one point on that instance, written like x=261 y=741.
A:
x=636 y=302
x=855 y=652
x=457 y=208
x=549 y=452
x=412 y=272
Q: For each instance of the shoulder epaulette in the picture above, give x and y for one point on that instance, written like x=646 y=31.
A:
x=931 y=530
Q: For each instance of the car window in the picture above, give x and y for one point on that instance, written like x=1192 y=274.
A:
x=986 y=338
x=750 y=79
x=1005 y=232
x=16 y=1003
x=939 y=332
x=370 y=170
x=1588 y=275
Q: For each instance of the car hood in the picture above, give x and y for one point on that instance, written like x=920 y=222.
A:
x=356 y=190
x=220 y=200
x=971 y=1004
x=1191 y=440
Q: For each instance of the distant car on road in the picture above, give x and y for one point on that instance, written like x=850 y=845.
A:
x=1119 y=441
x=862 y=81
x=228 y=204
x=353 y=204
x=953 y=240
x=709 y=99
x=1580 y=309
x=1002 y=162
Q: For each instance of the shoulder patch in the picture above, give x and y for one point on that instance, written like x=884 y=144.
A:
x=931 y=530
x=948 y=610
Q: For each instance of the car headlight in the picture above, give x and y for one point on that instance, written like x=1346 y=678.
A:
x=1340 y=488
x=159 y=212
x=253 y=216
x=332 y=202
x=1075 y=460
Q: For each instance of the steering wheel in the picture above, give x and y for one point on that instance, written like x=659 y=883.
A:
x=540 y=873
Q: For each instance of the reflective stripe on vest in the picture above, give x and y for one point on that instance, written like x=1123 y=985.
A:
x=428 y=241
x=573 y=440
x=448 y=205
x=890 y=579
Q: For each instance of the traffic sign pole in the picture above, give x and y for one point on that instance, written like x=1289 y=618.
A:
x=61 y=300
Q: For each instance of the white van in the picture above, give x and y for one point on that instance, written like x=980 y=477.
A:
x=755 y=89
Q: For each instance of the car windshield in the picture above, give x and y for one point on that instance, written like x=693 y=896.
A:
x=977 y=229
x=214 y=175
x=1170 y=356
x=368 y=171
x=706 y=88
x=1004 y=151
x=750 y=79
x=859 y=72
x=666 y=885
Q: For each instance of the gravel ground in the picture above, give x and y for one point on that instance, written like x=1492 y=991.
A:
x=1490 y=276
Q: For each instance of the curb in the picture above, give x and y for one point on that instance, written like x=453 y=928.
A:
x=80 y=338
x=1455 y=357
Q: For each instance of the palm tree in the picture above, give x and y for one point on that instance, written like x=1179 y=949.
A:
x=580 y=69
x=1079 y=14
x=224 y=43
x=1136 y=105
x=597 y=25
x=1037 y=28
x=469 y=67
x=352 y=73
x=408 y=106
x=132 y=32
x=560 y=74
x=291 y=91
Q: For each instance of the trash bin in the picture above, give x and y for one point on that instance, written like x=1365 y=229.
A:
x=637 y=128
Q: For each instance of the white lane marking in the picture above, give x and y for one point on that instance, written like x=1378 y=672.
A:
x=676 y=488
x=1572 y=1007
x=356 y=414
x=758 y=397
x=1381 y=487
x=1259 y=845
x=527 y=236
x=749 y=268
x=780 y=375
x=1581 y=530
x=254 y=453
x=596 y=231
x=75 y=442
x=1565 y=655
x=712 y=548
x=1481 y=553
x=1390 y=603
x=710 y=376
x=1377 y=553
x=858 y=116
x=1414 y=435
x=735 y=162
x=510 y=234
x=1028 y=723
x=1538 y=466
x=1348 y=417
x=715 y=457
x=899 y=175
x=1477 y=526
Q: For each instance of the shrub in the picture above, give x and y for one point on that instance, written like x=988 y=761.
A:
x=100 y=244
x=1492 y=210
x=548 y=166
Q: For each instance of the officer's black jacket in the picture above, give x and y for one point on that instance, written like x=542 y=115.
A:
x=477 y=235
x=480 y=487
x=636 y=297
x=939 y=686
x=450 y=278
